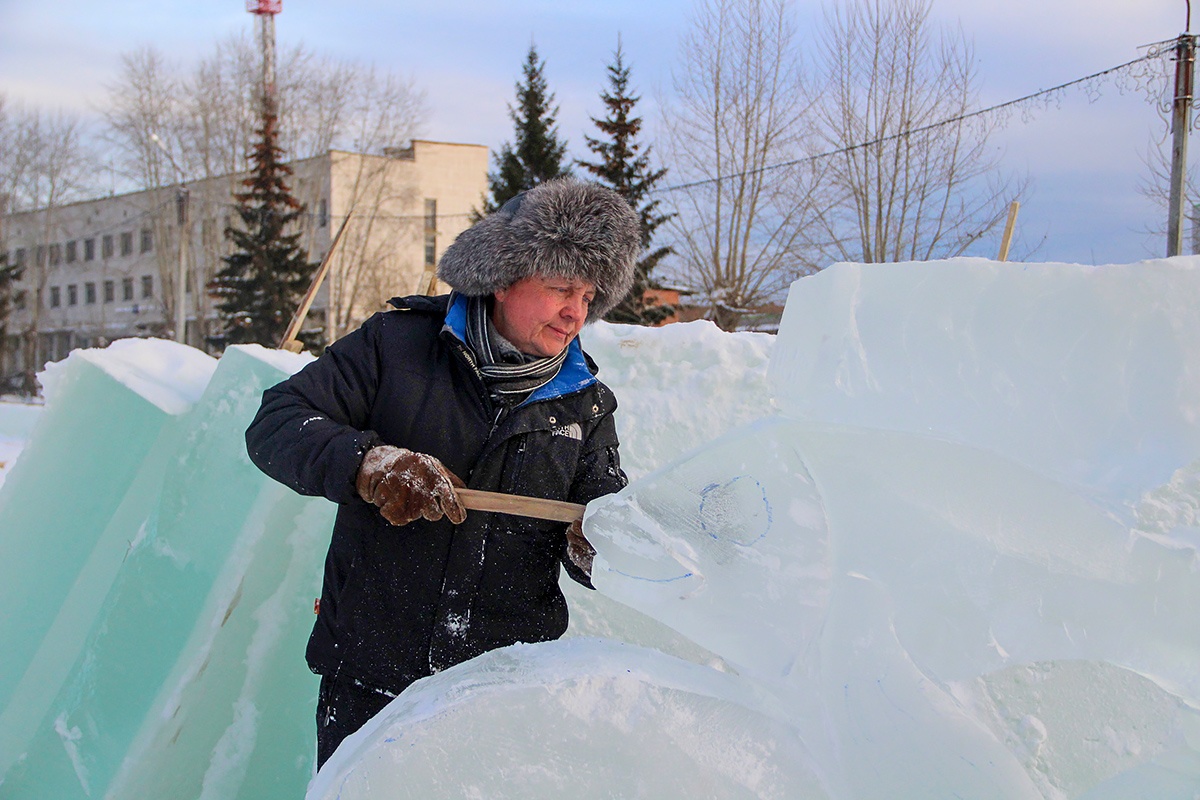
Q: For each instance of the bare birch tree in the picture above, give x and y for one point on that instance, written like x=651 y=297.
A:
x=45 y=161
x=371 y=113
x=1155 y=185
x=740 y=101
x=911 y=179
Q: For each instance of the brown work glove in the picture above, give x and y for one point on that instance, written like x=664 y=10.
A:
x=407 y=485
x=579 y=549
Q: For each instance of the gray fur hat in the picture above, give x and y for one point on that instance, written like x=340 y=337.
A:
x=562 y=227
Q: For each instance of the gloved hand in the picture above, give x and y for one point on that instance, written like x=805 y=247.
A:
x=579 y=549
x=407 y=485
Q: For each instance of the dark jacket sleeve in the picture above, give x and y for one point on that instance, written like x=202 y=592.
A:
x=312 y=430
x=599 y=474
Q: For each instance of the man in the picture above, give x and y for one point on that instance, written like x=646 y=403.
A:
x=487 y=388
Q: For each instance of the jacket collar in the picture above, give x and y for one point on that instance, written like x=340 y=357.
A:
x=575 y=374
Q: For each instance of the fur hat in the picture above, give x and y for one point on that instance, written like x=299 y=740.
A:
x=564 y=227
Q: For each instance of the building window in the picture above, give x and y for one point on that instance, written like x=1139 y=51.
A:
x=89 y=249
x=89 y=293
x=127 y=243
x=19 y=300
x=55 y=254
x=430 y=231
x=72 y=295
x=39 y=255
x=322 y=213
x=71 y=252
x=55 y=297
x=147 y=240
x=430 y=248
x=127 y=288
x=110 y=291
x=20 y=257
x=147 y=286
x=106 y=246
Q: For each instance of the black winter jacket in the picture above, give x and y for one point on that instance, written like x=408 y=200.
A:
x=401 y=602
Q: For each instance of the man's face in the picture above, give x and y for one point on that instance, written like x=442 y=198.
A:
x=542 y=315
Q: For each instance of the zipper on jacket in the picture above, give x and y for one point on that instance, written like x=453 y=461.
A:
x=501 y=413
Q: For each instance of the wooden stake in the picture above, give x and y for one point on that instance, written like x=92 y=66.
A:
x=427 y=284
x=289 y=341
x=1006 y=240
x=536 y=507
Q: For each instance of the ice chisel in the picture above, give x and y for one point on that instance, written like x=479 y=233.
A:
x=537 y=507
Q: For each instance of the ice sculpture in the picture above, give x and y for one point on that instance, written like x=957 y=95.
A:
x=152 y=578
x=959 y=560
x=962 y=563
x=580 y=718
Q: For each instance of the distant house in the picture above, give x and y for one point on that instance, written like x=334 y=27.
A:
x=663 y=297
x=106 y=269
x=764 y=318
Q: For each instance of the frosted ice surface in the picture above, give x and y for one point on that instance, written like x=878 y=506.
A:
x=575 y=718
x=1086 y=374
x=960 y=563
x=921 y=570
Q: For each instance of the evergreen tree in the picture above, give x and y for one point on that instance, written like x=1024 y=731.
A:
x=623 y=164
x=266 y=276
x=9 y=275
x=538 y=154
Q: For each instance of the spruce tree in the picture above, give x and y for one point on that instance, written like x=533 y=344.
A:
x=264 y=279
x=9 y=275
x=538 y=153
x=623 y=164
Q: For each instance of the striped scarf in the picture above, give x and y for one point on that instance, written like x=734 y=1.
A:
x=509 y=375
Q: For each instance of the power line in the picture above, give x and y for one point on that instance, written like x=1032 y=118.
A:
x=1152 y=53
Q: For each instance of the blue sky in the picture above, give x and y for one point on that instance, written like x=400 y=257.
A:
x=1084 y=158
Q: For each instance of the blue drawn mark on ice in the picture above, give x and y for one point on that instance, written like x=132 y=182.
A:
x=651 y=580
x=730 y=510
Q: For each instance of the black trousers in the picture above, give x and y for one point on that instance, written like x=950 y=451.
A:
x=343 y=706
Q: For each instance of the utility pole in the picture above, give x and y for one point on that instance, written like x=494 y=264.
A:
x=1181 y=120
x=181 y=205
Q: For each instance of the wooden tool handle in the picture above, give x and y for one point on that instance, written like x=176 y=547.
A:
x=555 y=510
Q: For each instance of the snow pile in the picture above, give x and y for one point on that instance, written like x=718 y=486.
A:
x=944 y=545
x=679 y=386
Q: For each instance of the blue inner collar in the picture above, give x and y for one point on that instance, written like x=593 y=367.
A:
x=572 y=377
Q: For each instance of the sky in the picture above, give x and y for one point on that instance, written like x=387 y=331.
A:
x=1084 y=153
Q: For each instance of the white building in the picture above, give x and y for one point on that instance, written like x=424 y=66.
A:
x=105 y=269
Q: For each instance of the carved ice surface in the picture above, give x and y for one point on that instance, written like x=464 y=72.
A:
x=947 y=549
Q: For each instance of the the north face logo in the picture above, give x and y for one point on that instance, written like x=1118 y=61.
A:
x=572 y=431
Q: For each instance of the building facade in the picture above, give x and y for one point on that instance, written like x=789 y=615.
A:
x=106 y=269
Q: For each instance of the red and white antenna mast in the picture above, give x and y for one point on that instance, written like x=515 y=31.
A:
x=266 y=10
